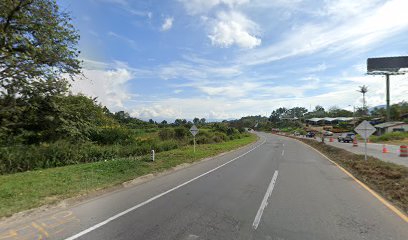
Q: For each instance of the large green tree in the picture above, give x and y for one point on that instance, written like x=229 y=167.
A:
x=37 y=55
x=37 y=47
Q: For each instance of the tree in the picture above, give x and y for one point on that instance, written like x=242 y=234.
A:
x=151 y=121
x=37 y=51
x=363 y=89
x=179 y=122
x=196 y=120
x=202 y=120
x=122 y=117
x=37 y=48
x=164 y=122
x=338 y=112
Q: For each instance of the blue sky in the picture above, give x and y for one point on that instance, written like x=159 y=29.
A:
x=221 y=59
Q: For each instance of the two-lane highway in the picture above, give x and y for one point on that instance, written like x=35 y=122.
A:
x=277 y=188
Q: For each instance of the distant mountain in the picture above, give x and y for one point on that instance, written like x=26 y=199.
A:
x=378 y=107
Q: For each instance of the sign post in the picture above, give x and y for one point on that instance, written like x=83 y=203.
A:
x=365 y=129
x=194 y=131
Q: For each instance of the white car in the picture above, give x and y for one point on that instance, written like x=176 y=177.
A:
x=328 y=133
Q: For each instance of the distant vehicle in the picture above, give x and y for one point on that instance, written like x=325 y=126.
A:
x=296 y=133
x=328 y=133
x=346 y=137
x=310 y=134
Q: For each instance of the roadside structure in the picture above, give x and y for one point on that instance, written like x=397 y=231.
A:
x=388 y=127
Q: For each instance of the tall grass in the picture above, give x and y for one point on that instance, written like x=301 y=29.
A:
x=31 y=157
x=390 y=137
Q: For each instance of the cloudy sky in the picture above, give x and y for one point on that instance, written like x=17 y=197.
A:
x=222 y=59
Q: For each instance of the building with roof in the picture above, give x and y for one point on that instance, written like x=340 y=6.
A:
x=388 y=127
x=328 y=120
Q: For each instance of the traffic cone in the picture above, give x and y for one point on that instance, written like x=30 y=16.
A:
x=331 y=139
x=385 y=150
x=355 y=142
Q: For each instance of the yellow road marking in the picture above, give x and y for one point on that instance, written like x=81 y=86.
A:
x=402 y=215
x=40 y=229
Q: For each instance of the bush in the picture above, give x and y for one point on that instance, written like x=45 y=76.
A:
x=166 y=133
x=390 y=136
x=113 y=135
x=180 y=133
x=30 y=157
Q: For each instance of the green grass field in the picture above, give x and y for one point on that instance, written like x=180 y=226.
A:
x=22 y=191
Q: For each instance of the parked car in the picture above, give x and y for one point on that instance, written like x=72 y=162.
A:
x=310 y=134
x=346 y=137
x=296 y=133
x=328 y=133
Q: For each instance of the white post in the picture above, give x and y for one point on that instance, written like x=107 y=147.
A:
x=365 y=146
x=153 y=155
x=194 y=144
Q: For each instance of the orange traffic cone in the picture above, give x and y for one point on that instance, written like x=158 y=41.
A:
x=385 y=150
x=355 y=142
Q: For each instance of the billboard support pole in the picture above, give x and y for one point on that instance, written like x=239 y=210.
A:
x=387 y=77
x=387 y=66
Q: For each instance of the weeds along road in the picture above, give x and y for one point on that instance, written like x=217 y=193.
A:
x=277 y=188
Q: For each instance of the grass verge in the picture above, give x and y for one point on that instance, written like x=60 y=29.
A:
x=22 y=191
x=388 y=179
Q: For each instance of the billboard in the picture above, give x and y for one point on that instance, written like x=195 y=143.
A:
x=387 y=64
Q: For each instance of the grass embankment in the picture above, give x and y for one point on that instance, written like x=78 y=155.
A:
x=22 y=191
x=388 y=179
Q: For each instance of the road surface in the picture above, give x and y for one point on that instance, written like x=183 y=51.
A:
x=277 y=188
x=373 y=149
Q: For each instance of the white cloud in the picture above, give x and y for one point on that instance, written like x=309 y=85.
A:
x=232 y=90
x=156 y=111
x=357 y=33
x=234 y=28
x=194 y=7
x=347 y=8
x=229 y=26
x=108 y=85
x=167 y=24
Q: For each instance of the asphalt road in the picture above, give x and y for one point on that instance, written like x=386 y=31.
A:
x=277 y=189
x=373 y=149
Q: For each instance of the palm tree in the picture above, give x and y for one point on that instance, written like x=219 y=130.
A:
x=363 y=89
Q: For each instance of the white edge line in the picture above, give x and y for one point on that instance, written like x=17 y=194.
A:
x=265 y=200
x=154 y=198
x=283 y=152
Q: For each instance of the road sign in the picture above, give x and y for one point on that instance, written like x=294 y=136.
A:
x=194 y=130
x=365 y=129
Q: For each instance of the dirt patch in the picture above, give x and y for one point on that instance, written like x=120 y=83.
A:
x=388 y=179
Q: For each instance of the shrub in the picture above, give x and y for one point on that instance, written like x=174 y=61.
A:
x=113 y=135
x=21 y=158
x=166 y=133
x=390 y=136
x=180 y=133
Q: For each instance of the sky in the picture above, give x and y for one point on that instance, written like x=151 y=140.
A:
x=225 y=59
